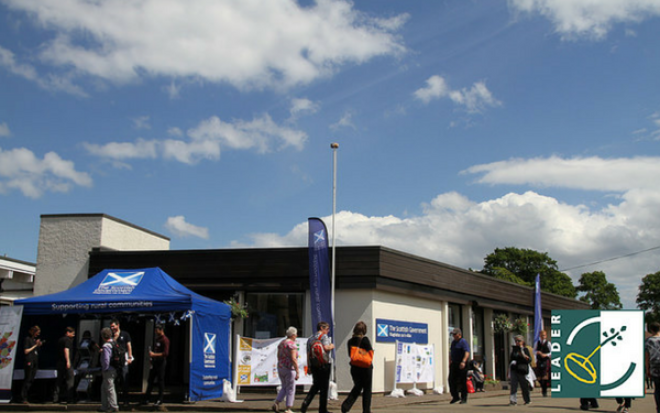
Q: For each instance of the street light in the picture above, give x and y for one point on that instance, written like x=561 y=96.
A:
x=334 y=147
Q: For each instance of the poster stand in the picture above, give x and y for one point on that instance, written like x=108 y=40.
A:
x=413 y=364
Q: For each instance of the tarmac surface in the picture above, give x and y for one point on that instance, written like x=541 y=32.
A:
x=491 y=402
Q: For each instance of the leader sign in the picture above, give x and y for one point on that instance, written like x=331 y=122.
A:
x=597 y=353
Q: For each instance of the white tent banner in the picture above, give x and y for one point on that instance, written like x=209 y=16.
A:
x=256 y=362
x=10 y=325
x=414 y=363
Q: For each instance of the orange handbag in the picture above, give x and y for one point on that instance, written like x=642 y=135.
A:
x=361 y=357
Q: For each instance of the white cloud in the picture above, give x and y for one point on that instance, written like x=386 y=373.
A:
x=475 y=99
x=588 y=18
x=50 y=82
x=436 y=88
x=211 y=40
x=139 y=149
x=4 y=130
x=141 y=122
x=20 y=169
x=174 y=131
x=458 y=231
x=594 y=173
x=179 y=227
x=346 y=121
x=206 y=141
x=302 y=106
x=261 y=133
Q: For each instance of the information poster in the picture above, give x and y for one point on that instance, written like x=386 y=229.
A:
x=257 y=362
x=10 y=324
x=414 y=363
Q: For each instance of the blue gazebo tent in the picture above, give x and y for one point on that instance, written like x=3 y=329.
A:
x=151 y=290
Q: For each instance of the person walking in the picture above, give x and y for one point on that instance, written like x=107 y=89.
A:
x=65 y=375
x=158 y=363
x=459 y=353
x=652 y=353
x=287 y=369
x=543 y=362
x=123 y=338
x=320 y=368
x=108 y=392
x=362 y=376
x=31 y=350
x=520 y=360
x=625 y=403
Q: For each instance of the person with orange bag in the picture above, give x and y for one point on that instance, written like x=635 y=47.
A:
x=362 y=375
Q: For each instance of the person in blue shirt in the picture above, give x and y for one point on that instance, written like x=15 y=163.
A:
x=459 y=354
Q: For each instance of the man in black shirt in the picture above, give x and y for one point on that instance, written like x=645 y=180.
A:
x=158 y=363
x=123 y=338
x=65 y=377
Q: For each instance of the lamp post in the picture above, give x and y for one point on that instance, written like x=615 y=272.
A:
x=334 y=147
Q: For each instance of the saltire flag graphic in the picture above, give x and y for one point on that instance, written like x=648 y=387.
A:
x=319 y=273
x=597 y=353
x=121 y=279
x=538 y=315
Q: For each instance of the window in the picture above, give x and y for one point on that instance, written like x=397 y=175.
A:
x=272 y=314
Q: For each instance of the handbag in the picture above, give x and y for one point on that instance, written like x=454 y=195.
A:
x=470 y=385
x=361 y=357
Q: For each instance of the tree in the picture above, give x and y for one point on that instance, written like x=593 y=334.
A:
x=522 y=265
x=598 y=292
x=648 y=298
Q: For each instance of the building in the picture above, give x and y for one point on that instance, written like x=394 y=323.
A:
x=372 y=283
x=16 y=280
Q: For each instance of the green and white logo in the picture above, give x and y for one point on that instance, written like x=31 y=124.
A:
x=597 y=353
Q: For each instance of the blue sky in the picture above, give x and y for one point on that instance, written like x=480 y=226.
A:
x=463 y=126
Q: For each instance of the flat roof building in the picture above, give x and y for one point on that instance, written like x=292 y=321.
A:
x=373 y=283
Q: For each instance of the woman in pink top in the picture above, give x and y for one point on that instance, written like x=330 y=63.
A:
x=287 y=369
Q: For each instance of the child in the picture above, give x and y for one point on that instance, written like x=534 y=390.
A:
x=478 y=375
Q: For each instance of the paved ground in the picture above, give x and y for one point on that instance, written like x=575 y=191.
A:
x=490 y=402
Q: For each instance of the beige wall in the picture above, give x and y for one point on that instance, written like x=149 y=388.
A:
x=65 y=242
x=368 y=305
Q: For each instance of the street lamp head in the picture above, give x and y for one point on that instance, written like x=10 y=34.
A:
x=334 y=145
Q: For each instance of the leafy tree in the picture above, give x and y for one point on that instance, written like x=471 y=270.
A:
x=522 y=265
x=648 y=298
x=598 y=292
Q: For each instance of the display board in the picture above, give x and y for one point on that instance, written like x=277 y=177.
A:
x=10 y=325
x=414 y=363
x=256 y=362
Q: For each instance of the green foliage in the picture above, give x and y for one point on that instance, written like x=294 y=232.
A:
x=501 y=324
x=648 y=298
x=521 y=266
x=237 y=310
x=598 y=292
x=520 y=326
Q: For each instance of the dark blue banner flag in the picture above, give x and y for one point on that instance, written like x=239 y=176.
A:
x=319 y=273
x=538 y=316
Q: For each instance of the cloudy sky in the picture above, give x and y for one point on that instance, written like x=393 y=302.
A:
x=463 y=126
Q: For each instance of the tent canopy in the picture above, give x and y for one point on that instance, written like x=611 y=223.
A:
x=150 y=290
x=116 y=291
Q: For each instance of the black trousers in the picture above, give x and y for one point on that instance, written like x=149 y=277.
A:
x=362 y=378
x=30 y=373
x=65 y=384
x=457 y=382
x=157 y=372
x=626 y=401
x=320 y=383
x=121 y=383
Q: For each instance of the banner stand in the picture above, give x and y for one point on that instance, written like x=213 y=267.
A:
x=396 y=393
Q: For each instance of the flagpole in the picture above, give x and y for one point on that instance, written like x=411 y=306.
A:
x=334 y=147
